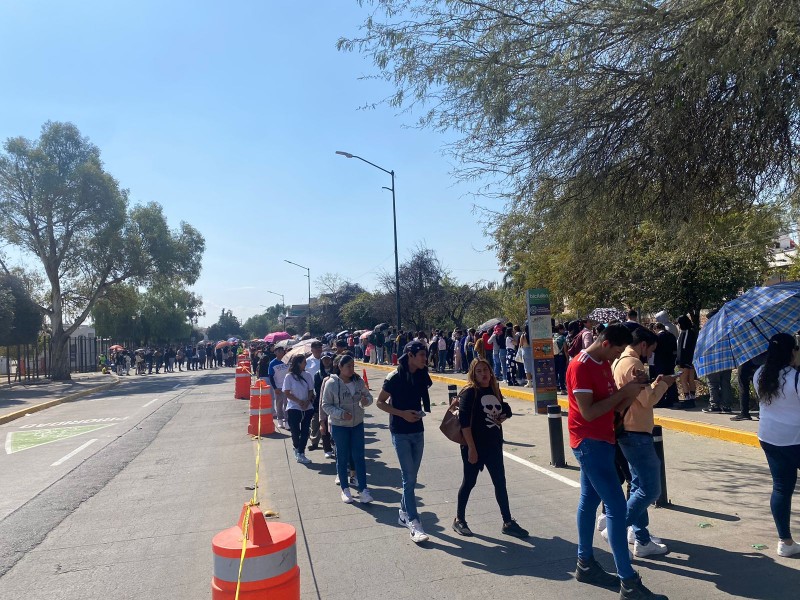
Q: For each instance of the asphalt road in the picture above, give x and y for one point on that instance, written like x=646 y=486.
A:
x=131 y=515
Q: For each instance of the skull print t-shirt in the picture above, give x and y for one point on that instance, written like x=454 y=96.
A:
x=481 y=408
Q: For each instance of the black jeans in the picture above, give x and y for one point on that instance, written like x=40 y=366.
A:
x=719 y=388
x=493 y=460
x=784 y=461
x=745 y=375
x=299 y=423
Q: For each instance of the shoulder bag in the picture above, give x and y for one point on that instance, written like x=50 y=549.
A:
x=451 y=426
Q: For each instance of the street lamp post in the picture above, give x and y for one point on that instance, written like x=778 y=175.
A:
x=394 y=218
x=308 y=274
x=283 y=306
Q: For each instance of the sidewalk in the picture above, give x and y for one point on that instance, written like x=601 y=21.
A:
x=18 y=400
x=717 y=426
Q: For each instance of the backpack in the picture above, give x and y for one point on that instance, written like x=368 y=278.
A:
x=575 y=346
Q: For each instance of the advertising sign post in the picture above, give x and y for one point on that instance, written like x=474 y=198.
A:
x=541 y=338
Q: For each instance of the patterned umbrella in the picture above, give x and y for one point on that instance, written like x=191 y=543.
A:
x=604 y=315
x=490 y=324
x=742 y=327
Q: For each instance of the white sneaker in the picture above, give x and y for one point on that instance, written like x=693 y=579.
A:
x=365 y=497
x=330 y=455
x=303 y=459
x=788 y=549
x=418 y=535
x=601 y=521
x=346 y=497
x=402 y=518
x=649 y=549
x=604 y=535
x=336 y=481
x=632 y=537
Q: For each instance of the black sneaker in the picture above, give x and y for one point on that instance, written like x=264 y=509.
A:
x=592 y=573
x=727 y=410
x=712 y=408
x=633 y=589
x=461 y=527
x=513 y=529
x=741 y=418
x=686 y=404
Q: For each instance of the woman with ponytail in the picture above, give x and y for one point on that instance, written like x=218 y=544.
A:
x=777 y=384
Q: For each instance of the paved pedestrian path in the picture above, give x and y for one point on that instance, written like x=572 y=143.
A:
x=18 y=400
x=695 y=421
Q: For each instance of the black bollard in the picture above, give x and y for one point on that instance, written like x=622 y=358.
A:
x=658 y=442
x=556 y=436
x=452 y=393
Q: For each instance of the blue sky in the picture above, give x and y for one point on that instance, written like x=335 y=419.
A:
x=228 y=114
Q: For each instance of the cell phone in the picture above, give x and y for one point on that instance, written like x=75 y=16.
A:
x=421 y=413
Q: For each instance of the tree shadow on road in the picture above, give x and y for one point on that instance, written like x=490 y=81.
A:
x=742 y=575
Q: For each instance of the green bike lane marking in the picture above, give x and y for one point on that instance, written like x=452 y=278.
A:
x=17 y=441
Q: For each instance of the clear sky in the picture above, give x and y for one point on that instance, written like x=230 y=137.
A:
x=228 y=114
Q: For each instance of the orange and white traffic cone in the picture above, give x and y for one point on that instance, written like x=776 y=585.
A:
x=366 y=380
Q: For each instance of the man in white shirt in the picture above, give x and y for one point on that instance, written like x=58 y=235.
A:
x=312 y=368
x=312 y=362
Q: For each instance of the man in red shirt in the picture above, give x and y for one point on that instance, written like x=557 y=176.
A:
x=593 y=399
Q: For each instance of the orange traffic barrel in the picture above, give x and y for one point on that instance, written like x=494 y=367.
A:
x=270 y=560
x=261 y=408
x=242 y=389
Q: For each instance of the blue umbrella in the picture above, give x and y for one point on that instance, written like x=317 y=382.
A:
x=742 y=327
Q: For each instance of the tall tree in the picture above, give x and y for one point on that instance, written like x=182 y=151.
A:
x=59 y=205
x=226 y=326
x=675 y=108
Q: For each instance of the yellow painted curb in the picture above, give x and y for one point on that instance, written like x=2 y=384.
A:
x=69 y=398
x=726 y=434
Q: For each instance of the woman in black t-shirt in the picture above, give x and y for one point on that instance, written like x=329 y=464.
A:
x=481 y=413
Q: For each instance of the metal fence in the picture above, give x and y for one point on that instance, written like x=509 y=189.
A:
x=31 y=362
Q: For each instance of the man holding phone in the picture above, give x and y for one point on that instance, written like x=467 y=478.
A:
x=636 y=440
x=403 y=396
x=593 y=400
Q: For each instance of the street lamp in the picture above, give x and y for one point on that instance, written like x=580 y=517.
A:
x=394 y=218
x=283 y=305
x=308 y=274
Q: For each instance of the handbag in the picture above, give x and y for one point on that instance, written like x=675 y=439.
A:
x=451 y=426
x=518 y=356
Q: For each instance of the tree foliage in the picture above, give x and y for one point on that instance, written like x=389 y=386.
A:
x=59 y=206
x=270 y=320
x=226 y=326
x=20 y=316
x=674 y=108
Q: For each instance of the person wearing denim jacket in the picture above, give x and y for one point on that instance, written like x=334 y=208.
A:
x=344 y=398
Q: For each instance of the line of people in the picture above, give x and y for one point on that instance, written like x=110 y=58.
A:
x=322 y=399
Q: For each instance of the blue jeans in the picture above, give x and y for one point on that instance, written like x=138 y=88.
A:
x=409 y=447
x=784 y=461
x=496 y=362
x=599 y=481
x=350 y=443
x=645 y=467
x=442 y=360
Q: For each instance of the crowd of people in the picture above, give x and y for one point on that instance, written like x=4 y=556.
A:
x=165 y=359
x=321 y=399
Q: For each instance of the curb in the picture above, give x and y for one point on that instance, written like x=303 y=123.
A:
x=68 y=398
x=725 y=434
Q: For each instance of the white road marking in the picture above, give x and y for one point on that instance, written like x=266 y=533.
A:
x=78 y=422
x=8 y=442
x=547 y=472
x=177 y=386
x=149 y=403
x=73 y=453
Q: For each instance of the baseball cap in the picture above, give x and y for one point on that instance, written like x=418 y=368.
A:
x=414 y=346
